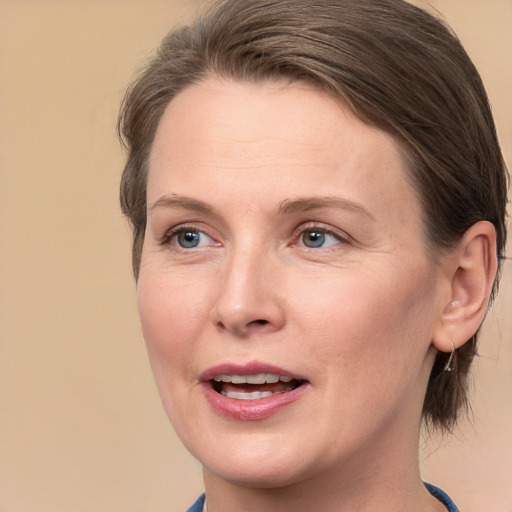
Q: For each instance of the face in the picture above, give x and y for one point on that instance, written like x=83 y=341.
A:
x=286 y=294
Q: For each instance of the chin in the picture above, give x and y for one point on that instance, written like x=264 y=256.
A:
x=258 y=460
x=247 y=473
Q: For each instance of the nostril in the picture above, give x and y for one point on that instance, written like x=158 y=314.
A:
x=252 y=322
x=258 y=325
x=244 y=329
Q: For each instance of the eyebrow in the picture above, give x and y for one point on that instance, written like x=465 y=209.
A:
x=287 y=206
x=175 y=201
x=316 y=203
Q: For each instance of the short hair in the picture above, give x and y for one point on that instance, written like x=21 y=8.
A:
x=396 y=67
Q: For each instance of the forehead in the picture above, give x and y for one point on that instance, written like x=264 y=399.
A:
x=270 y=137
x=295 y=112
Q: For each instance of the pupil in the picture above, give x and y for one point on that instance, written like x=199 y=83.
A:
x=314 y=239
x=188 y=239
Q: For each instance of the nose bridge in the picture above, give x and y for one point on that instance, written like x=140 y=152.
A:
x=247 y=299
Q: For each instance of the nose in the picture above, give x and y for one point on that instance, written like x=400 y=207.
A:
x=248 y=299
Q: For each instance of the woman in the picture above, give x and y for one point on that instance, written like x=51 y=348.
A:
x=318 y=201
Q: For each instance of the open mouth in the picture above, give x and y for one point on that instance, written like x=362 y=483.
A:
x=253 y=387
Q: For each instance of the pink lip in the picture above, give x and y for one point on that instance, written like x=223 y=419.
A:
x=249 y=410
x=245 y=369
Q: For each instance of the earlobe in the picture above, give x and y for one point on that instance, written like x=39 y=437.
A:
x=473 y=267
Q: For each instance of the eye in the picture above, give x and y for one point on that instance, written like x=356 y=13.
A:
x=318 y=238
x=188 y=238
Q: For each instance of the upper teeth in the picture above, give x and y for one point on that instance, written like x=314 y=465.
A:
x=257 y=378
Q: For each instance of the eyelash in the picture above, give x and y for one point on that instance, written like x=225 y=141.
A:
x=172 y=233
x=298 y=232
x=342 y=237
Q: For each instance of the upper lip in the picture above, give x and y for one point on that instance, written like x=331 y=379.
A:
x=251 y=368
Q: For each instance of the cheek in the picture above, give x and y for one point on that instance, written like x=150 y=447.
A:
x=171 y=315
x=368 y=324
x=373 y=351
x=169 y=319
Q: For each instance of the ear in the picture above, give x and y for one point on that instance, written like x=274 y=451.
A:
x=471 y=269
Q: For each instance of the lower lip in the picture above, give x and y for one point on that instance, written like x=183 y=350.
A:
x=252 y=410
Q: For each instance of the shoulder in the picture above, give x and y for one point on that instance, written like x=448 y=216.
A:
x=442 y=497
x=198 y=505
x=435 y=491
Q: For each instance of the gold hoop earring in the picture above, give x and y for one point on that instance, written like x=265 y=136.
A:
x=448 y=366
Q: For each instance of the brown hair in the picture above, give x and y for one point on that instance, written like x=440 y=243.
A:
x=396 y=66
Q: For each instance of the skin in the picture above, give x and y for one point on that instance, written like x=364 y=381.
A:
x=355 y=317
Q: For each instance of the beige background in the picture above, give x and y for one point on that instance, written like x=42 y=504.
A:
x=81 y=426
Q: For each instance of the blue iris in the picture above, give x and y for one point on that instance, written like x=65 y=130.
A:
x=188 y=239
x=313 y=239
